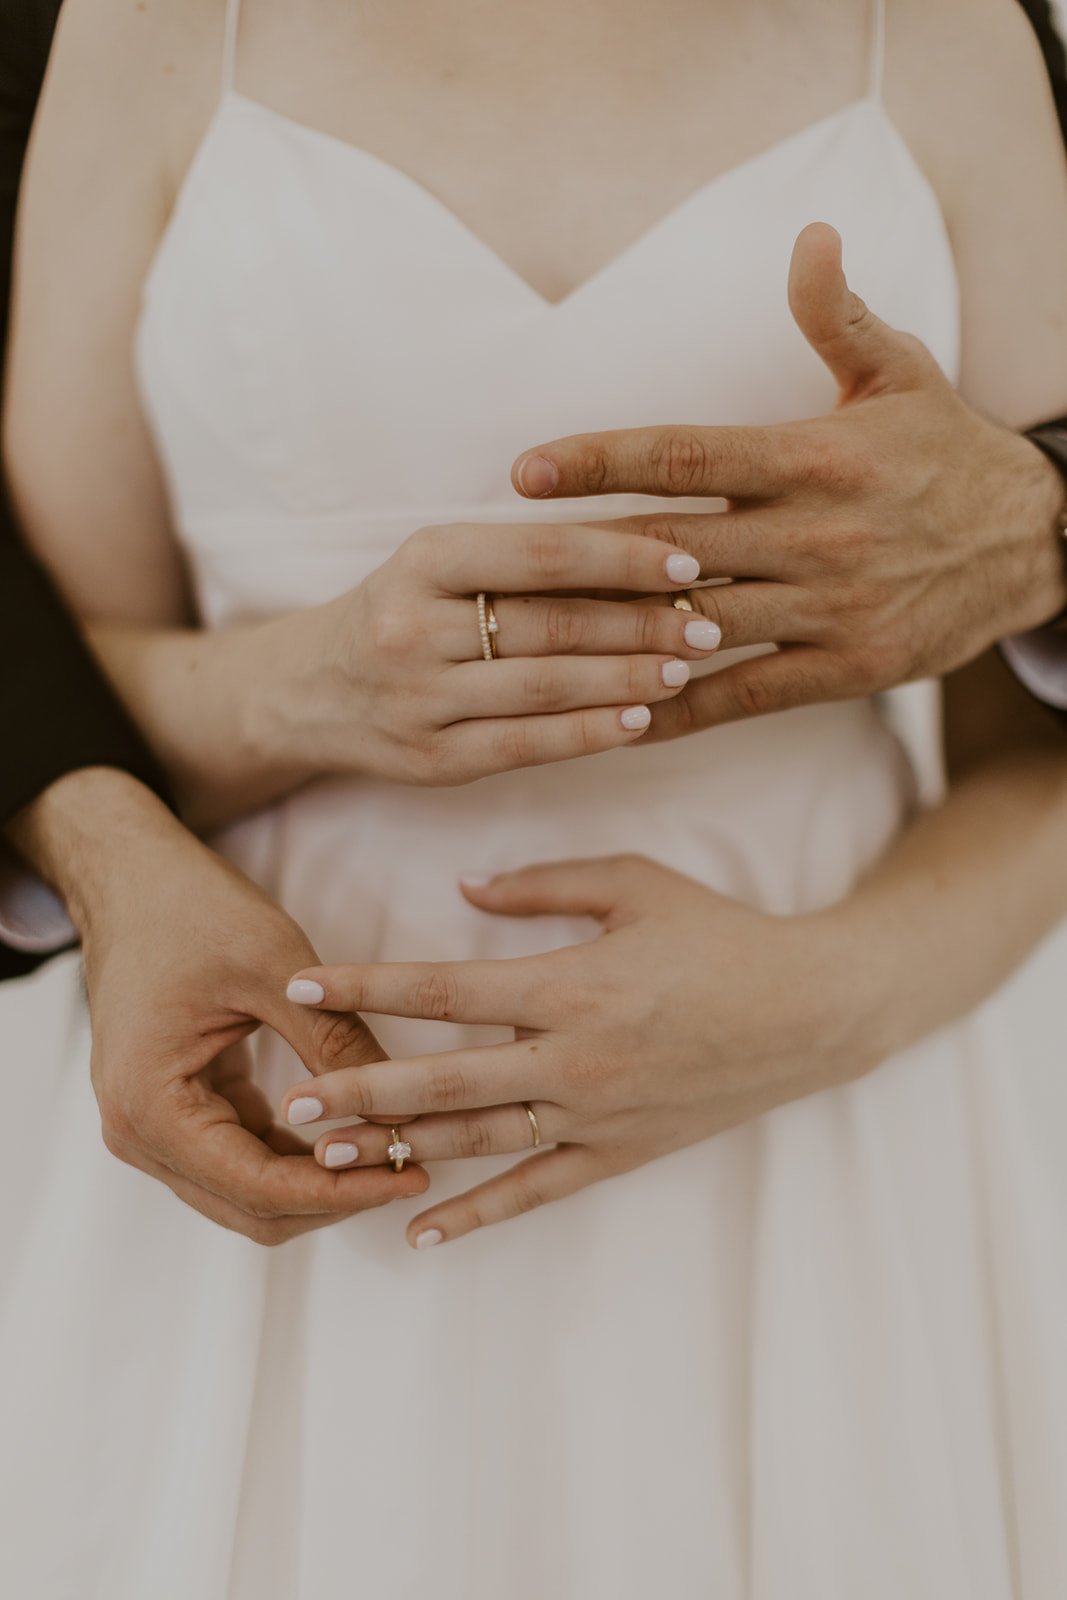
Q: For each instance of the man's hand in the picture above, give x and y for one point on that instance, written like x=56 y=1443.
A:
x=184 y=958
x=896 y=538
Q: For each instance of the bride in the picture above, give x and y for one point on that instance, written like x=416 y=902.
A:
x=817 y=1354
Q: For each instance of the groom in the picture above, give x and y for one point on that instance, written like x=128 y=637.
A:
x=184 y=956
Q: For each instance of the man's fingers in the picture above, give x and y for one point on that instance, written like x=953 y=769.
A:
x=509 y=993
x=534 y=1182
x=865 y=355
x=732 y=463
x=198 y=1138
x=778 y=681
x=494 y=1131
x=324 y=1040
x=757 y=613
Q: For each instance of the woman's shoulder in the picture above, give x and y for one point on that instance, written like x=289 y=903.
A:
x=967 y=81
x=149 y=68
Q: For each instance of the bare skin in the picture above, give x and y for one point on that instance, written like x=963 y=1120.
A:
x=559 y=93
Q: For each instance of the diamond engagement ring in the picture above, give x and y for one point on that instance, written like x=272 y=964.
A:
x=399 y=1151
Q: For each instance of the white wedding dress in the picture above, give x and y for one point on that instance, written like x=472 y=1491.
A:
x=821 y=1357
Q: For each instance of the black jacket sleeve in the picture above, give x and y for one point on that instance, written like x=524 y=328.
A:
x=57 y=713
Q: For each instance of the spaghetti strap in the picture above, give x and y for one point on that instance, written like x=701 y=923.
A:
x=876 y=81
x=229 y=47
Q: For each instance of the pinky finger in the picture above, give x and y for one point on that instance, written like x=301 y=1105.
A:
x=532 y=1183
x=501 y=744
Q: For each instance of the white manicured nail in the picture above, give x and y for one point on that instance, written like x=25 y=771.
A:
x=305 y=992
x=635 y=717
x=428 y=1238
x=476 y=880
x=683 y=569
x=675 y=673
x=340 y=1155
x=703 y=635
x=306 y=1109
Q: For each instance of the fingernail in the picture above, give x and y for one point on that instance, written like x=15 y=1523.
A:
x=305 y=992
x=703 y=635
x=306 y=1109
x=635 y=717
x=428 y=1238
x=675 y=673
x=683 y=569
x=476 y=880
x=537 y=476
x=340 y=1155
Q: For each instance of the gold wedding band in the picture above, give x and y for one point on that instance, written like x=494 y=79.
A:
x=399 y=1151
x=682 y=602
x=488 y=626
x=534 y=1124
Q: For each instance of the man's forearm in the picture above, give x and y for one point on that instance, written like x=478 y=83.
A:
x=77 y=831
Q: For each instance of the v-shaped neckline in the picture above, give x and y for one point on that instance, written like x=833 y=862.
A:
x=426 y=197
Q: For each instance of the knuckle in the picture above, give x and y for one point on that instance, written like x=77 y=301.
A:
x=265 y=1231
x=680 y=461
x=335 y=1036
x=513 y=746
x=436 y=996
x=652 y=627
x=546 y=552
x=752 y=696
x=708 y=602
x=594 y=470
x=476 y=1140
x=565 y=629
x=543 y=686
x=449 y=1090
x=527 y=1195
x=391 y=627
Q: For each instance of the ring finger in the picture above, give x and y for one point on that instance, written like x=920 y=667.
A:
x=494 y=1131
x=535 y=625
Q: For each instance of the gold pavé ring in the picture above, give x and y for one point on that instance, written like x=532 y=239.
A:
x=488 y=626
x=399 y=1151
x=534 y=1124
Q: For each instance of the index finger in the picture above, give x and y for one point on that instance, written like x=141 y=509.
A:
x=550 y=556
x=745 y=463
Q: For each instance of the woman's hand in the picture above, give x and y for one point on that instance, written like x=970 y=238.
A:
x=690 y=1014
x=390 y=679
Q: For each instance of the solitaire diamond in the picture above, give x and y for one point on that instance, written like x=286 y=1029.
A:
x=400 y=1151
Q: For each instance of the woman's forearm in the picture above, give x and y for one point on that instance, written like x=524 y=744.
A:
x=211 y=705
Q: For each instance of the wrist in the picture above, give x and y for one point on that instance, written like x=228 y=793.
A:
x=301 y=715
x=861 y=961
x=1044 y=486
x=85 y=830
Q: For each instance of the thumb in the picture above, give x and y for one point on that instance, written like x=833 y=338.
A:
x=865 y=355
x=605 y=889
x=324 y=1040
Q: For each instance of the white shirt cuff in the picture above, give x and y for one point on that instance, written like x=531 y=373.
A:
x=32 y=917
x=1039 y=660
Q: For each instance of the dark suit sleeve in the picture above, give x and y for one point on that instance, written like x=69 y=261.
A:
x=56 y=711
x=1040 y=14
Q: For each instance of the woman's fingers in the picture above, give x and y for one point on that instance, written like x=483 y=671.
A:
x=464 y=558
x=559 y=683
x=746 y=612
x=456 y=1080
x=500 y=744
x=534 y=1182
x=509 y=993
x=494 y=1131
